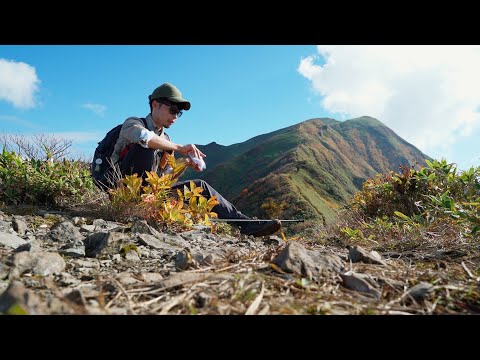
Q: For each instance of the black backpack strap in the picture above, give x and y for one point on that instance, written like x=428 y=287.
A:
x=160 y=153
x=127 y=148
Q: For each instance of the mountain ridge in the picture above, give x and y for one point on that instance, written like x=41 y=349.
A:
x=315 y=166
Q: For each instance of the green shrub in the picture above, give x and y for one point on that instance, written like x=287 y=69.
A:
x=422 y=196
x=39 y=182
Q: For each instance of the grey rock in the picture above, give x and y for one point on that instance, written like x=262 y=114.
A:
x=102 y=225
x=202 y=228
x=142 y=227
x=73 y=251
x=77 y=297
x=155 y=243
x=419 y=291
x=39 y=262
x=4 y=270
x=42 y=230
x=448 y=254
x=183 y=278
x=32 y=245
x=143 y=251
x=185 y=260
x=65 y=279
x=65 y=232
x=132 y=255
x=100 y=241
x=360 y=283
x=211 y=259
x=19 y=225
x=151 y=277
x=3 y=286
x=106 y=263
x=192 y=235
x=11 y=240
x=358 y=254
x=202 y=299
x=17 y=299
x=86 y=263
x=175 y=240
x=307 y=263
x=5 y=225
x=87 y=228
x=125 y=278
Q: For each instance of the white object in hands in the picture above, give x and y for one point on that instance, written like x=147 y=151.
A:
x=168 y=170
x=199 y=161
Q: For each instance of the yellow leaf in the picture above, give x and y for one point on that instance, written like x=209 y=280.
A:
x=202 y=203
x=207 y=221
x=180 y=194
x=197 y=191
x=276 y=268
x=212 y=202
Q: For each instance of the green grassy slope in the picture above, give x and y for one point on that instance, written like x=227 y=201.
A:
x=315 y=166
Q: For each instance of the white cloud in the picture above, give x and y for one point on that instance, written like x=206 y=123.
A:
x=79 y=137
x=429 y=95
x=96 y=108
x=18 y=83
x=18 y=121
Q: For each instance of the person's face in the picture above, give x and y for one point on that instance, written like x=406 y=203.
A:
x=165 y=114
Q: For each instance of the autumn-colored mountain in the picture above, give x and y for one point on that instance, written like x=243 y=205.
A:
x=314 y=166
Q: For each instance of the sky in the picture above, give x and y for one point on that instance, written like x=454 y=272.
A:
x=429 y=95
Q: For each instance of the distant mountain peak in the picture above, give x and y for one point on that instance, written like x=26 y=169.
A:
x=315 y=166
x=365 y=120
x=321 y=121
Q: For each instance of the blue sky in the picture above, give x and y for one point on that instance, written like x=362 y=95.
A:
x=426 y=94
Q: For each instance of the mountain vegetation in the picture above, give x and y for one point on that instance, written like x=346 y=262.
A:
x=315 y=166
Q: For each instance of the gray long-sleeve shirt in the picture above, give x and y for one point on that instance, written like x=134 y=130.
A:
x=134 y=131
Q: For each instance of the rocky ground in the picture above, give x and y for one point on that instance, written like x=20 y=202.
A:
x=59 y=263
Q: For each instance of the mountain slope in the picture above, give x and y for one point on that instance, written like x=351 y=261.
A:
x=314 y=166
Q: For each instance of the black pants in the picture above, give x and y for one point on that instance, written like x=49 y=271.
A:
x=139 y=160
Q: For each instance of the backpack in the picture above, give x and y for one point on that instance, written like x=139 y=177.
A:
x=101 y=163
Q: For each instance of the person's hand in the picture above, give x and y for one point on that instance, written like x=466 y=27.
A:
x=191 y=148
x=193 y=165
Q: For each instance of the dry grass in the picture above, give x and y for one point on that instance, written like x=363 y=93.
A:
x=250 y=285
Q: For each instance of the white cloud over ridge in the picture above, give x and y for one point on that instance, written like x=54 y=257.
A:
x=19 y=83
x=427 y=94
x=96 y=108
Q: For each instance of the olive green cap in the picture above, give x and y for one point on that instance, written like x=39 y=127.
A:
x=171 y=93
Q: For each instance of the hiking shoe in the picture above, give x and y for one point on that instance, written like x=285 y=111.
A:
x=260 y=228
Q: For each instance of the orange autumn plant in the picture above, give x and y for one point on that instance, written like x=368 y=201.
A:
x=157 y=201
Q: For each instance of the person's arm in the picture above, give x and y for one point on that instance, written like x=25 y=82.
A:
x=134 y=131
x=157 y=142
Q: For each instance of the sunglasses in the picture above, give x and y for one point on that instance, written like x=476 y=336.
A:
x=174 y=110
